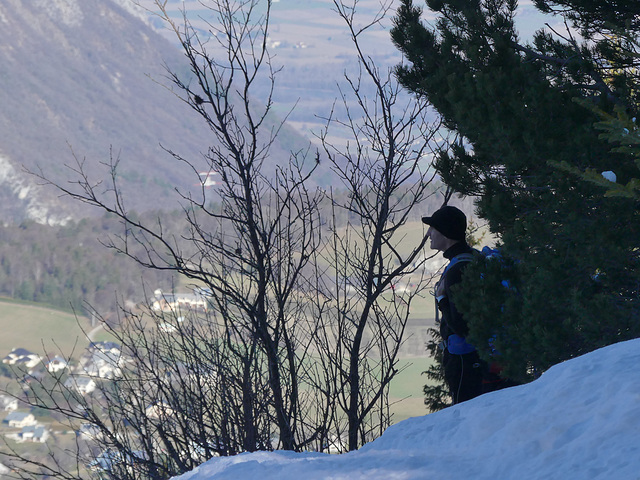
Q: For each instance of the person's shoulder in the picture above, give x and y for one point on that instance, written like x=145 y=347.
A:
x=460 y=252
x=454 y=271
x=457 y=264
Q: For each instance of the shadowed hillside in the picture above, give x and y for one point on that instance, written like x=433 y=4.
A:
x=86 y=75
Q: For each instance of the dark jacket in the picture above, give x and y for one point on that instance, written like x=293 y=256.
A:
x=452 y=320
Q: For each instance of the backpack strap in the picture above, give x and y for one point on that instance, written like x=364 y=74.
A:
x=462 y=257
x=455 y=343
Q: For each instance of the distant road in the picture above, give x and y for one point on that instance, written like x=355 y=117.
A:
x=93 y=332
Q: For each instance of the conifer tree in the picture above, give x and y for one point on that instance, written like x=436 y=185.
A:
x=523 y=110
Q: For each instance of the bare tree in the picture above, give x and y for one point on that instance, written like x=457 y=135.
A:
x=172 y=390
x=267 y=226
x=385 y=170
x=252 y=251
x=242 y=379
x=296 y=340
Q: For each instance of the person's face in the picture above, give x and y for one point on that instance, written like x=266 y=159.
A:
x=438 y=240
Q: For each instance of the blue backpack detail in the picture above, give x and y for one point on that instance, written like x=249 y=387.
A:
x=494 y=253
x=458 y=345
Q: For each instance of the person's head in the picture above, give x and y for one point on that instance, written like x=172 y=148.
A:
x=447 y=226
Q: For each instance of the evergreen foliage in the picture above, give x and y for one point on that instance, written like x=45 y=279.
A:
x=436 y=395
x=622 y=132
x=574 y=252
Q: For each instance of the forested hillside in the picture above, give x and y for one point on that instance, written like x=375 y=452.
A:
x=70 y=265
x=67 y=266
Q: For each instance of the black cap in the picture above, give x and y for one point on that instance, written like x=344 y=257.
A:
x=449 y=221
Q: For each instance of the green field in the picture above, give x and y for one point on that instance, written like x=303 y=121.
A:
x=405 y=393
x=41 y=329
x=45 y=330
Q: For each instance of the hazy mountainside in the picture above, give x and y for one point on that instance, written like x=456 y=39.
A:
x=312 y=44
x=78 y=74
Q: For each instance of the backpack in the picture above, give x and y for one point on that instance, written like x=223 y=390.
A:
x=457 y=344
x=494 y=254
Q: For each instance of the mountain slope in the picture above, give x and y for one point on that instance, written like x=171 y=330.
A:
x=86 y=75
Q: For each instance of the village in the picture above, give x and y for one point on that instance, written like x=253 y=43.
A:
x=100 y=361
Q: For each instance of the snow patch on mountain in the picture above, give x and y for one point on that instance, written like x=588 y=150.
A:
x=134 y=9
x=26 y=192
x=579 y=421
x=67 y=12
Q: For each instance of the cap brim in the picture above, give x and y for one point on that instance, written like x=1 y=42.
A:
x=426 y=220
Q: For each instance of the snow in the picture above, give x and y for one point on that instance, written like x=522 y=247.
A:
x=67 y=12
x=579 y=420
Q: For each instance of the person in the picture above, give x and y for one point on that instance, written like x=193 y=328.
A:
x=463 y=368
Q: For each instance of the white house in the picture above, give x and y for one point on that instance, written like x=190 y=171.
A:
x=56 y=364
x=110 y=458
x=34 y=433
x=159 y=410
x=81 y=383
x=8 y=404
x=335 y=444
x=167 y=327
x=208 y=179
x=100 y=369
x=106 y=347
x=22 y=356
x=180 y=302
x=20 y=419
x=102 y=360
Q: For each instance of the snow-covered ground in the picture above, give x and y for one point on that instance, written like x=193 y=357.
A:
x=580 y=420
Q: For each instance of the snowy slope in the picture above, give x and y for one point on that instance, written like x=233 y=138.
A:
x=580 y=420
